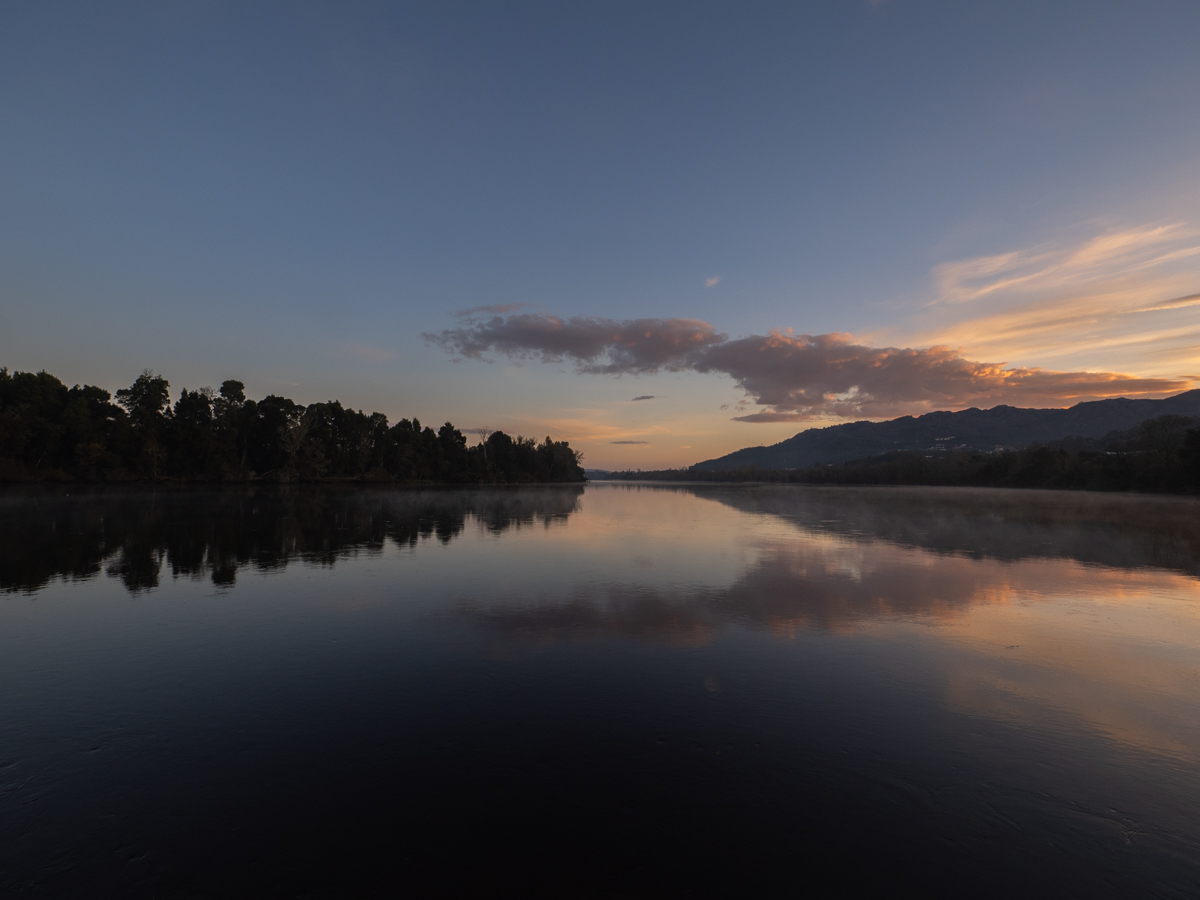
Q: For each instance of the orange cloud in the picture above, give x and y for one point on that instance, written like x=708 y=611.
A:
x=1122 y=297
x=1065 y=311
x=796 y=376
x=803 y=376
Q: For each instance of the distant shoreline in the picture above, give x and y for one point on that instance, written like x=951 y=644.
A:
x=1170 y=469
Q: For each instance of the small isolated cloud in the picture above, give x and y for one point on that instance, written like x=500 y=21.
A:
x=712 y=281
x=629 y=442
x=770 y=416
x=643 y=397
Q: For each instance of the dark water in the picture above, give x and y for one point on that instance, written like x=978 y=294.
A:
x=605 y=692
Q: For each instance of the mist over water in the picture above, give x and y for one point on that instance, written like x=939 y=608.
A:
x=611 y=690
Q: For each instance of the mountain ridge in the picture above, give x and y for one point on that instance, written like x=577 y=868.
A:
x=1008 y=427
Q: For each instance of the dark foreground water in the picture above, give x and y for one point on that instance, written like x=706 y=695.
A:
x=617 y=691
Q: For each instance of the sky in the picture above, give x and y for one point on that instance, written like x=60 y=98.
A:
x=661 y=231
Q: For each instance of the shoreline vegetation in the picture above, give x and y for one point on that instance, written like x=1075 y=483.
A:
x=1161 y=455
x=52 y=433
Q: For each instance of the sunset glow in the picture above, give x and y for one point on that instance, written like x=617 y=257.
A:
x=854 y=210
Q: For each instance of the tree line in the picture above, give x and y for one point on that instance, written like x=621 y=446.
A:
x=49 y=432
x=1161 y=455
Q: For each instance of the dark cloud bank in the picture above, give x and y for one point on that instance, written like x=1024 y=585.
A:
x=795 y=376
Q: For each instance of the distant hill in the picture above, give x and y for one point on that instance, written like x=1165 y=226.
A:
x=970 y=429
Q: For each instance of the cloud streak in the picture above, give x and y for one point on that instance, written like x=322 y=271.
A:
x=496 y=309
x=795 y=377
x=1127 y=294
x=1049 y=270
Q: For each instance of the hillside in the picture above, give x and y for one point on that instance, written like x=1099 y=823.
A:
x=970 y=429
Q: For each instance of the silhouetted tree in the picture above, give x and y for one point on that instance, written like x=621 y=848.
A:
x=147 y=401
x=48 y=431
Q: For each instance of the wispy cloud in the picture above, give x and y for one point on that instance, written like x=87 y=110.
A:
x=796 y=377
x=1174 y=303
x=712 y=281
x=495 y=309
x=629 y=442
x=1127 y=295
x=1073 y=268
x=643 y=397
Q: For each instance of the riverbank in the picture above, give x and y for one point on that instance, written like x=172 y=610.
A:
x=1172 y=470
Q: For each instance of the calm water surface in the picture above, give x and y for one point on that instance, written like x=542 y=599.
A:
x=610 y=691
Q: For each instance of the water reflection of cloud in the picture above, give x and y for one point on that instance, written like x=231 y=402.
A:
x=653 y=615
x=1128 y=671
x=816 y=582
x=1041 y=642
x=1125 y=531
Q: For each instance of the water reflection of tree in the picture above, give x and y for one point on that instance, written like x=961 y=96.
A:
x=215 y=533
x=1126 y=531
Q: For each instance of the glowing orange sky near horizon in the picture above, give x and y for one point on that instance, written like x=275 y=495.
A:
x=1121 y=301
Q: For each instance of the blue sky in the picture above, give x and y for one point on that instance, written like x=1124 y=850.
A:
x=292 y=194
